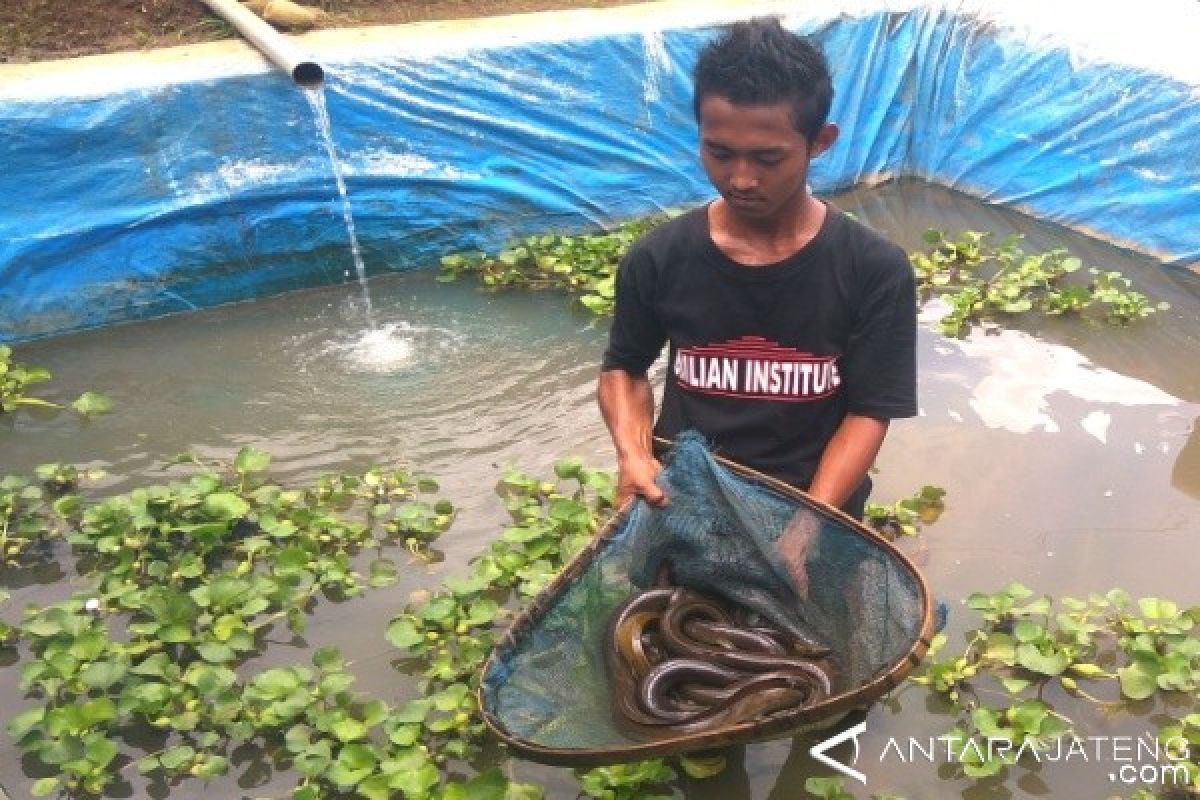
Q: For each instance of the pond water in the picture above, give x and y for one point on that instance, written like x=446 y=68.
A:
x=1069 y=453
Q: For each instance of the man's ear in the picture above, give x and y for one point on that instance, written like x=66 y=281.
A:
x=824 y=139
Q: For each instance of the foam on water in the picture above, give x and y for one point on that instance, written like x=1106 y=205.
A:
x=390 y=348
x=381 y=350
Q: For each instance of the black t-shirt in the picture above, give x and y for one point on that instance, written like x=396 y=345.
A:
x=766 y=361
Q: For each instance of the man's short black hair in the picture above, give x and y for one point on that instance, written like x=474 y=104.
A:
x=759 y=62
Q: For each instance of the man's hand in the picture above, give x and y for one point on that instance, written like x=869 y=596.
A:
x=794 y=544
x=635 y=476
x=627 y=403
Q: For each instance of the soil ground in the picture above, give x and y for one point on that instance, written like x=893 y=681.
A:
x=37 y=30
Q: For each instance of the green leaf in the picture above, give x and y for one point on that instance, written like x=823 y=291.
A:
x=402 y=633
x=1027 y=631
x=226 y=590
x=1017 y=590
x=415 y=781
x=1156 y=609
x=1136 y=683
x=90 y=403
x=208 y=679
x=1001 y=648
x=349 y=729
x=375 y=788
x=1028 y=716
x=451 y=697
x=327 y=658
x=100 y=750
x=95 y=712
x=831 y=788
x=216 y=652
x=213 y=766
x=1119 y=598
x=489 y=785
x=278 y=682
x=44 y=786
x=102 y=674
x=226 y=505
x=354 y=763
x=26 y=721
x=481 y=612
x=382 y=572
x=405 y=735
x=249 y=461
x=524 y=791
x=568 y=468
x=1033 y=658
x=702 y=767
x=463 y=587
x=177 y=633
x=67 y=505
x=177 y=757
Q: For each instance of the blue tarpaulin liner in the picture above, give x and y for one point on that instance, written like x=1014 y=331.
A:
x=138 y=202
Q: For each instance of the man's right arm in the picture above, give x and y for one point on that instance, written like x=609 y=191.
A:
x=626 y=399
x=627 y=404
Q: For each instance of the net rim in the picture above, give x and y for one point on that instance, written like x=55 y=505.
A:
x=780 y=724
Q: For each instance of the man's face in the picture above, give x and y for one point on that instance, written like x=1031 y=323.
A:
x=755 y=157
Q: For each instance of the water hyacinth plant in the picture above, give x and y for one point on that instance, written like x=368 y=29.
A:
x=180 y=583
x=978 y=282
x=584 y=266
x=16 y=378
x=1102 y=645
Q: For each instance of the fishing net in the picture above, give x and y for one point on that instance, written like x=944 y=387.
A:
x=742 y=538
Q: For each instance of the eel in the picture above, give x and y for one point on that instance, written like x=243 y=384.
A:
x=680 y=663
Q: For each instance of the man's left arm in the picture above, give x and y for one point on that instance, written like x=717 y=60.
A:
x=847 y=457
x=879 y=376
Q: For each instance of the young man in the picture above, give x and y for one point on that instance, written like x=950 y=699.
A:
x=791 y=327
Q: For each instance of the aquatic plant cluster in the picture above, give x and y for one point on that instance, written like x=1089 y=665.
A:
x=906 y=516
x=16 y=378
x=583 y=265
x=179 y=586
x=181 y=583
x=978 y=283
x=1027 y=646
x=148 y=665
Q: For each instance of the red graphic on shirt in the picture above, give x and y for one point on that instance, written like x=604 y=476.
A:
x=756 y=368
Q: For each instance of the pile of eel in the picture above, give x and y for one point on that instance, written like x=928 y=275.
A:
x=681 y=663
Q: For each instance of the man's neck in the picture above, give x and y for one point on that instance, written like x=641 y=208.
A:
x=755 y=242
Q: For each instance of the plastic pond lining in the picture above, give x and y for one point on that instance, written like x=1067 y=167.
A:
x=151 y=183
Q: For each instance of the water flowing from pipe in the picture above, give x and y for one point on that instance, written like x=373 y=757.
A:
x=316 y=99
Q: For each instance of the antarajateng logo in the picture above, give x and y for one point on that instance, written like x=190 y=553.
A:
x=1130 y=760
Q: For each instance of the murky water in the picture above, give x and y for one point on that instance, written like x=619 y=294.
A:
x=1068 y=452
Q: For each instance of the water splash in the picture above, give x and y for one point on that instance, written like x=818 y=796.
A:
x=390 y=348
x=383 y=349
x=316 y=99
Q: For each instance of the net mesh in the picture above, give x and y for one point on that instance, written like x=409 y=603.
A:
x=804 y=570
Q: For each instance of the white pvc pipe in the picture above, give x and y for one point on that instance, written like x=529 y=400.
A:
x=269 y=41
